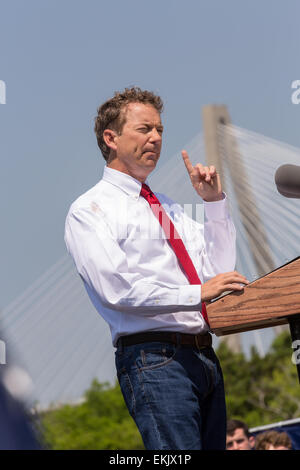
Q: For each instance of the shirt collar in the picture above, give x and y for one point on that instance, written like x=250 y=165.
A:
x=125 y=182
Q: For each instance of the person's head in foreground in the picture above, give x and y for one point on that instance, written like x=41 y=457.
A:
x=273 y=440
x=238 y=436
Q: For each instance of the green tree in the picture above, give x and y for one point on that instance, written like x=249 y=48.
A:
x=259 y=390
x=101 y=422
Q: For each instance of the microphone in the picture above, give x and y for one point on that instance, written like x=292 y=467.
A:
x=287 y=179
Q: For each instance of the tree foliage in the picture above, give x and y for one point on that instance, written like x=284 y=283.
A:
x=261 y=390
x=101 y=422
x=258 y=391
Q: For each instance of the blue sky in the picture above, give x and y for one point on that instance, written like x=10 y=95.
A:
x=61 y=59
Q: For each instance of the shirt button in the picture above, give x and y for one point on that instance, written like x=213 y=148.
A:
x=157 y=301
x=191 y=299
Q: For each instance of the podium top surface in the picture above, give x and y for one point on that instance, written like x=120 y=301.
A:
x=267 y=301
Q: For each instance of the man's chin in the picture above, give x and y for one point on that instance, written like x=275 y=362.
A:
x=151 y=159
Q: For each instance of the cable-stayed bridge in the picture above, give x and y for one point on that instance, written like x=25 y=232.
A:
x=53 y=331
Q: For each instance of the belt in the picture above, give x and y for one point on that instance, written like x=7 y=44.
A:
x=198 y=341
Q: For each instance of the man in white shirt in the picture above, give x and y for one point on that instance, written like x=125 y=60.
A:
x=151 y=292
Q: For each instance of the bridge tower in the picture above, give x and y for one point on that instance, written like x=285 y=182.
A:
x=221 y=150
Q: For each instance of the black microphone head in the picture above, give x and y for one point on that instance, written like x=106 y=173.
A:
x=287 y=179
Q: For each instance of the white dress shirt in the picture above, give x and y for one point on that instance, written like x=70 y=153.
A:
x=130 y=271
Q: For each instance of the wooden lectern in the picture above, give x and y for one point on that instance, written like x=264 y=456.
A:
x=271 y=300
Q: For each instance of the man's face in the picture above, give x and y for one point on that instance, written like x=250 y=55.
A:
x=238 y=440
x=139 y=144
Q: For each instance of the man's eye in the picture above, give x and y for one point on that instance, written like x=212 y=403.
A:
x=143 y=129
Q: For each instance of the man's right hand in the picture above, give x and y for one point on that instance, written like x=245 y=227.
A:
x=222 y=283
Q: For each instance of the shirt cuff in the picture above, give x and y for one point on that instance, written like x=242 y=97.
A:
x=216 y=210
x=190 y=295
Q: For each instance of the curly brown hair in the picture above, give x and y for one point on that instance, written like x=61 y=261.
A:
x=265 y=439
x=112 y=115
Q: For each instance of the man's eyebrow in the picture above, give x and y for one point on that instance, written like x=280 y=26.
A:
x=148 y=123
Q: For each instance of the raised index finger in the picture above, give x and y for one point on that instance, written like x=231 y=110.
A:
x=187 y=161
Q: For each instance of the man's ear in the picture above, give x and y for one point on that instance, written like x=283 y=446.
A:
x=109 y=137
x=252 y=441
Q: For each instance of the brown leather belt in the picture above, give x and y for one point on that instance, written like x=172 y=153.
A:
x=197 y=341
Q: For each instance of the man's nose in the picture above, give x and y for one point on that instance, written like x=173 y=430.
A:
x=155 y=136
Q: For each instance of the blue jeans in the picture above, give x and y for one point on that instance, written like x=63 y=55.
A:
x=175 y=394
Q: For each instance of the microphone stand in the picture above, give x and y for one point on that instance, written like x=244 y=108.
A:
x=284 y=176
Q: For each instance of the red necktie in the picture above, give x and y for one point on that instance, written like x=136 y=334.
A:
x=174 y=239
